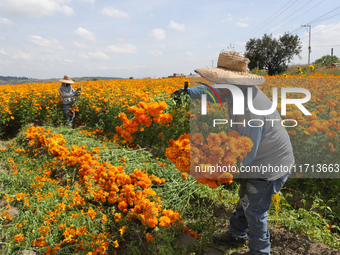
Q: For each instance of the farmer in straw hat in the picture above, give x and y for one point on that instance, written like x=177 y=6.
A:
x=271 y=148
x=67 y=94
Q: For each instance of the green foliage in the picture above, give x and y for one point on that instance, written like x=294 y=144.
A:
x=272 y=54
x=311 y=220
x=326 y=60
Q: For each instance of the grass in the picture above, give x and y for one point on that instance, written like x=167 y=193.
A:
x=203 y=210
x=293 y=70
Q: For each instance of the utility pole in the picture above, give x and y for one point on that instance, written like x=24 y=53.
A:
x=212 y=63
x=309 y=48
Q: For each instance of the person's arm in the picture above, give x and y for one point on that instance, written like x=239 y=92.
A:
x=255 y=134
x=195 y=92
x=64 y=94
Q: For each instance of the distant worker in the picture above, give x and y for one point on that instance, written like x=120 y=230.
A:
x=67 y=94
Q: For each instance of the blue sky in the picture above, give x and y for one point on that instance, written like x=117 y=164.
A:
x=150 y=38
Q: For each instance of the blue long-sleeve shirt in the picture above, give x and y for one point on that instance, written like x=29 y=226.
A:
x=271 y=143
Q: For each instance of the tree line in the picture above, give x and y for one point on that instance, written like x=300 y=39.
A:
x=274 y=54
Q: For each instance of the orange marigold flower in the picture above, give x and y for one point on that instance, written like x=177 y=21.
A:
x=19 y=196
x=197 y=138
x=311 y=130
x=122 y=230
x=331 y=147
x=116 y=244
x=332 y=134
x=213 y=140
x=96 y=150
x=149 y=238
x=184 y=176
x=123 y=206
x=164 y=222
x=104 y=218
x=43 y=230
x=152 y=222
x=117 y=217
x=19 y=238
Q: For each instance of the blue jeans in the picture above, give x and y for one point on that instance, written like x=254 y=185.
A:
x=251 y=213
x=69 y=118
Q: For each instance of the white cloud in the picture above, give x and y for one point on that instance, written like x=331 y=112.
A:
x=159 y=34
x=190 y=55
x=114 y=13
x=88 y=1
x=228 y=19
x=68 y=61
x=123 y=67
x=84 y=33
x=2 y=51
x=98 y=55
x=156 y=52
x=122 y=48
x=80 y=45
x=22 y=55
x=241 y=24
x=323 y=39
x=177 y=26
x=53 y=44
x=324 y=34
x=35 y=8
x=238 y=43
x=6 y=22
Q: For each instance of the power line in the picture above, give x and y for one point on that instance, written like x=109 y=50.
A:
x=317 y=19
x=323 y=29
x=321 y=18
x=271 y=18
x=299 y=16
x=326 y=45
x=287 y=17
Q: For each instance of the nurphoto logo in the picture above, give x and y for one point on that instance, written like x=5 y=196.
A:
x=239 y=102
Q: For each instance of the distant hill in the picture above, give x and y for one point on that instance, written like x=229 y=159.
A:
x=12 y=80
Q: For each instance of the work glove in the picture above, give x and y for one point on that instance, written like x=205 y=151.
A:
x=177 y=93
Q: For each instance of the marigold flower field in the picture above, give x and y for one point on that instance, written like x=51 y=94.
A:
x=88 y=191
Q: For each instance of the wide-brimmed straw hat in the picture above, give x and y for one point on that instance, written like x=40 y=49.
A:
x=67 y=80
x=232 y=68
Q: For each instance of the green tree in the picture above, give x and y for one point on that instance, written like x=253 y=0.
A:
x=273 y=54
x=326 y=60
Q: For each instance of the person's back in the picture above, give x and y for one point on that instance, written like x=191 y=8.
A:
x=274 y=155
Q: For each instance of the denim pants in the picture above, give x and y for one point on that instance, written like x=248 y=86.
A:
x=251 y=213
x=66 y=109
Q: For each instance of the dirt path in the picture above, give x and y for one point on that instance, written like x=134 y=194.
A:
x=283 y=242
x=286 y=242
